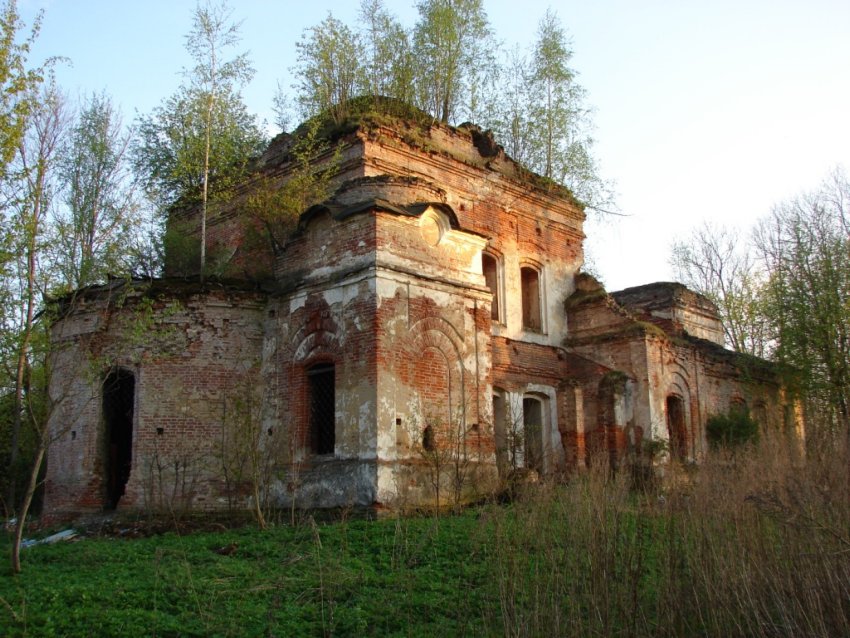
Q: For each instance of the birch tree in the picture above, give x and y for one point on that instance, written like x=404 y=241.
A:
x=452 y=48
x=93 y=230
x=17 y=81
x=198 y=143
x=30 y=191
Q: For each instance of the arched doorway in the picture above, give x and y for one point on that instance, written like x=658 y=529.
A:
x=533 y=425
x=676 y=427
x=119 y=389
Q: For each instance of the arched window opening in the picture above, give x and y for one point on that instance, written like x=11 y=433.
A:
x=676 y=428
x=759 y=413
x=500 y=430
x=490 y=267
x=789 y=420
x=530 y=281
x=428 y=442
x=119 y=391
x=532 y=426
x=322 y=408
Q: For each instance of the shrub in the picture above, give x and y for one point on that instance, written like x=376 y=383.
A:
x=732 y=429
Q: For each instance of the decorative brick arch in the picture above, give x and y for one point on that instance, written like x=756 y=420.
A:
x=315 y=337
x=678 y=415
x=433 y=358
x=314 y=345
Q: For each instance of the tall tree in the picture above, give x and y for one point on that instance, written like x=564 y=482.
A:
x=557 y=95
x=16 y=81
x=329 y=69
x=213 y=32
x=93 y=230
x=714 y=263
x=30 y=192
x=168 y=150
x=512 y=122
x=195 y=145
x=805 y=247
x=562 y=147
x=389 y=63
x=452 y=45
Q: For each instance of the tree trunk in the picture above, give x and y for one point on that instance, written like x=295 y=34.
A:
x=23 y=353
x=25 y=506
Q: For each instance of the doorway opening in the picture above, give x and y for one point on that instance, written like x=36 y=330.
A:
x=532 y=425
x=676 y=428
x=119 y=389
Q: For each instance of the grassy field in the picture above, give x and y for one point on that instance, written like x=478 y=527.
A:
x=750 y=545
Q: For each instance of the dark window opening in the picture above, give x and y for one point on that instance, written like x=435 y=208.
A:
x=788 y=418
x=428 y=443
x=322 y=408
x=530 y=280
x=504 y=451
x=491 y=278
x=676 y=427
x=532 y=422
x=119 y=390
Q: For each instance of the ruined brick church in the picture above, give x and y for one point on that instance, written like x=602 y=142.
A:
x=422 y=334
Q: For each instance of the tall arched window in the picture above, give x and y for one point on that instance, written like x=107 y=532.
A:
x=501 y=430
x=531 y=315
x=490 y=266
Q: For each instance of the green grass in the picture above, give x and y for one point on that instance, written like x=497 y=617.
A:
x=419 y=576
x=754 y=544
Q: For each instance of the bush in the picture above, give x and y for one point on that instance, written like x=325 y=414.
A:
x=732 y=429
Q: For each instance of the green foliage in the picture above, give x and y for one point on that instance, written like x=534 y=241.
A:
x=755 y=547
x=732 y=429
x=276 y=207
x=805 y=248
x=180 y=246
x=198 y=143
x=29 y=189
x=329 y=69
x=784 y=294
x=93 y=233
x=542 y=118
x=17 y=83
x=452 y=49
x=169 y=150
x=446 y=67
x=389 y=66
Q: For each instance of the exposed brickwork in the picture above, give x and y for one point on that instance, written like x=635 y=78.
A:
x=383 y=285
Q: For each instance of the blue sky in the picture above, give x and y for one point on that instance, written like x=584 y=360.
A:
x=704 y=110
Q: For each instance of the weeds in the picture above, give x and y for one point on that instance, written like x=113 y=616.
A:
x=751 y=543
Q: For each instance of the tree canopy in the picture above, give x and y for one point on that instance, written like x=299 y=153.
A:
x=784 y=292
x=203 y=135
x=17 y=81
x=447 y=66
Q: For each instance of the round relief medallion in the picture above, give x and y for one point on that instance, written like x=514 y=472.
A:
x=431 y=229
